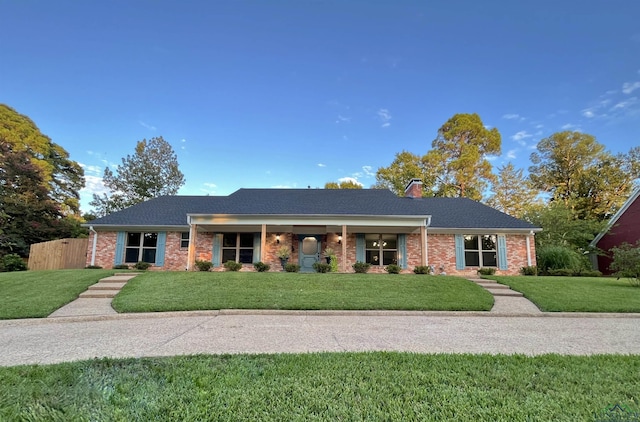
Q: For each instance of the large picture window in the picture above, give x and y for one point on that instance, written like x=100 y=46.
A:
x=480 y=251
x=381 y=249
x=237 y=247
x=141 y=247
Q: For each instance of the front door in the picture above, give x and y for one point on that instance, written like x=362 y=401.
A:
x=309 y=253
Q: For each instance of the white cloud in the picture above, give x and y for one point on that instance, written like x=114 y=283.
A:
x=511 y=154
x=385 y=117
x=368 y=170
x=569 y=126
x=588 y=113
x=349 y=179
x=93 y=185
x=322 y=165
x=145 y=125
x=491 y=157
x=342 y=119
x=629 y=87
x=209 y=188
x=512 y=116
x=521 y=136
x=94 y=170
x=625 y=104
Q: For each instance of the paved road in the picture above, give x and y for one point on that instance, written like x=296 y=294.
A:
x=66 y=339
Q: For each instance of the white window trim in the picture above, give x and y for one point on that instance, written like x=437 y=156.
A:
x=479 y=251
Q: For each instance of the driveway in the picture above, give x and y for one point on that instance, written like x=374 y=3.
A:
x=46 y=341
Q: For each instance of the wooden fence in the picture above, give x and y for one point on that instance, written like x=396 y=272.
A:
x=58 y=254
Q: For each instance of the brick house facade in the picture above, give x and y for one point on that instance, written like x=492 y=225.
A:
x=453 y=235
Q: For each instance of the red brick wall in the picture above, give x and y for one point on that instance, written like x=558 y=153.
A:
x=441 y=252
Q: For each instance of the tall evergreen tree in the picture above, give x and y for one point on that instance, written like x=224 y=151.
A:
x=151 y=172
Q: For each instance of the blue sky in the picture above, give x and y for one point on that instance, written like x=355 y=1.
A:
x=281 y=93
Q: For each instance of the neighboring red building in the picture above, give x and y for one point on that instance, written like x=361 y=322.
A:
x=623 y=227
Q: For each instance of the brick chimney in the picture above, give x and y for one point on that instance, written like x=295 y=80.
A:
x=413 y=189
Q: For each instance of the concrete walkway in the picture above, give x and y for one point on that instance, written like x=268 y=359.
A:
x=507 y=301
x=97 y=299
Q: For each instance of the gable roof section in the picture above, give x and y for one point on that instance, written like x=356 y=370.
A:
x=446 y=213
x=616 y=217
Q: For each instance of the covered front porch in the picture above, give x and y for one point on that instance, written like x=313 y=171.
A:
x=256 y=238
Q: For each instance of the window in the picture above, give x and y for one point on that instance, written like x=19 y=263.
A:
x=381 y=249
x=480 y=251
x=184 y=240
x=141 y=247
x=237 y=247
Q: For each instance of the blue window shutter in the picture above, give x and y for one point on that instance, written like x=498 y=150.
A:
x=256 y=247
x=402 y=251
x=459 y=252
x=360 y=256
x=119 y=248
x=162 y=240
x=217 y=249
x=502 y=252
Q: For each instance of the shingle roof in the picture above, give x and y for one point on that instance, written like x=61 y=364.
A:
x=445 y=212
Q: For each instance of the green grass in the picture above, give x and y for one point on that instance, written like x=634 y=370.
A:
x=178 y=291
x=327 y=387
x=35 y=294
x=577 y=294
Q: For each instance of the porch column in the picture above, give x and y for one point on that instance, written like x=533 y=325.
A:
x=528 y=237
x=344 y=249
x=423 y=246
x=191 y=252
x=263 y=241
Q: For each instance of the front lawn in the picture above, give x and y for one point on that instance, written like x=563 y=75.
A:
x=326 y=387
x=36 y=294
x=576 y=294
x=182 y=291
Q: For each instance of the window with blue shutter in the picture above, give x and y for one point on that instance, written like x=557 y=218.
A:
x=360 y=247
x=256 y=247
x=502 y=252
x=402 y=251
x=217 y=248
x=459 y=252
x=119 y=248
x=160 y=247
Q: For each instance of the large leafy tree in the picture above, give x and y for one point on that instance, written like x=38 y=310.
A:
x=344 y=184
x=574 y=168
x=27 y=212
x=512 y=192
x=151 y=172
x=458 y=158
x=59 y=175
x=456 y=165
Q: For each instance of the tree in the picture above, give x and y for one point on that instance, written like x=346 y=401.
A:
x=62 y=177
x=512 y=192
x=343 y=184
x=456 y=165
x=405 y=166
x=577 y=170
x=27 y=213
x=458 y=158
x=151 y=172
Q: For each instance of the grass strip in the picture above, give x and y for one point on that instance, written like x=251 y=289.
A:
x=154 y=292
x=576 y=294
x=324 y=387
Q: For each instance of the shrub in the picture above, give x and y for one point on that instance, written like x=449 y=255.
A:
x=334 y=264
x=261 y=267
x=93 y=267
x=531 y=270
x=422 y=269
x=232 y=266
x=121 y=267
x=393 y=269
x=588 y=273
x=361 y=267
x=626 y=262
x=487 y=271
x=321 y=267
x=292 y=268
x=142 y=266
x=12 y=262
x=558 y=258
x=562 y=272
x=204 y=265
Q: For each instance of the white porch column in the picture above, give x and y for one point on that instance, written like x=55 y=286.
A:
x=529 y=249
x=344 y=249
x=263 y=241
x=191 y=252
